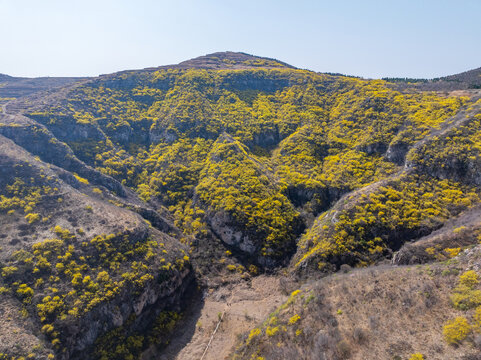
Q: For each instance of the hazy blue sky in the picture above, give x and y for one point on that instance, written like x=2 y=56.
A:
x=413 y=38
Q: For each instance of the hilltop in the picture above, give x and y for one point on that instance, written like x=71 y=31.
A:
x=230 y=60
x=124 y=195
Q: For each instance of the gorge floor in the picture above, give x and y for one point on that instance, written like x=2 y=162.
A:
x=245 y=304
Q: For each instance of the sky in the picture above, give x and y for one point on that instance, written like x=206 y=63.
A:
x=368 y=38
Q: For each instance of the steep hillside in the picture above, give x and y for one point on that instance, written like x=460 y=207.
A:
x=123 y=124
x=117 y=191
x=75 y=266
x=435 y=184
x=421 y=312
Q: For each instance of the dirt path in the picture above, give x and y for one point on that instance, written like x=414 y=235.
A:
x=244 y=305
x=5 y=113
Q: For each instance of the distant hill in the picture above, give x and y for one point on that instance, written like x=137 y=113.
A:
x=15 y=87
x=4 y=77
x=467 y=80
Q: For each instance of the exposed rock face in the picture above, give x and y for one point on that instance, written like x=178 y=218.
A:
x=267 y=139
x=406 y=256
x=224 y=226
x=146 y=306
x=157 y=135
x=71 y=131
x=461 y=169
x=317 y=199
x=248 y=82
x=397 y=153
x=375 y=148
x=122 y=134
x=39 y=141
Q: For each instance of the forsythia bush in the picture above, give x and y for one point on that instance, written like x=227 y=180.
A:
x=456 y=330
x=417 y=356
x=465 y=295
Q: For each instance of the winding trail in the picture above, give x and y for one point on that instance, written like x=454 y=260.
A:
x=7 y=116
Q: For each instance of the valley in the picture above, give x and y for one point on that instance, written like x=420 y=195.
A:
x=236 y=207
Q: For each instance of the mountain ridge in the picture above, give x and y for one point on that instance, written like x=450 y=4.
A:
x=233 y=59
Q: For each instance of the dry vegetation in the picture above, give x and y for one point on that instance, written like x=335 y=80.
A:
x=381 y=312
